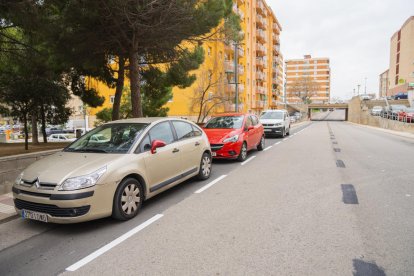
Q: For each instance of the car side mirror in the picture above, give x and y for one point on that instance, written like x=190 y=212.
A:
x=157 y=144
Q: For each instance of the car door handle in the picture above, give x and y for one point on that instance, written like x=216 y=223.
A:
x=197 y=143
x=175 y=150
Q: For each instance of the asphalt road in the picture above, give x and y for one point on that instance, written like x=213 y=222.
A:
x=331 y=199
x=336 y=115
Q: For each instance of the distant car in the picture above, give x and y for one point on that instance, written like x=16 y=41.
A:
x=232 y=135
x=276 y=122
x=365 y=97
x=61 y=138
x=53 y=130
x=331 y=109
x=394 y=109
x=406 y=115
x=376 y=110
x=400 y=96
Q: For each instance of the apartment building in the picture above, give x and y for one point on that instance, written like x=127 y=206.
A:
x=401 y=70
x=308 y=79
x=384 y=84
x=256 y=60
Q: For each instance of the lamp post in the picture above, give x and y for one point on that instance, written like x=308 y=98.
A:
x=365 y=90
x=358 y=88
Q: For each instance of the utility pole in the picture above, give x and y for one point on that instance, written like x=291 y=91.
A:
x=365 y=86
x=358 y=88
x=236 y=74
x=354 y=92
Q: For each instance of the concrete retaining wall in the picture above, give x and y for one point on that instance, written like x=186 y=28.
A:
x=11 y=166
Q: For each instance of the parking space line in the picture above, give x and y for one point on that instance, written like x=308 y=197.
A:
x=113 y=243
x=276 y=143
x=202 y=189
x=269 y=147
x=248 y=160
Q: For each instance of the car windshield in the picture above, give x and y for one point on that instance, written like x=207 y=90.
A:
x=272 y=115
x=225 y=122
x=110 y=138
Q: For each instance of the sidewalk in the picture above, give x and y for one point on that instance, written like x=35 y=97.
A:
x=7 y=210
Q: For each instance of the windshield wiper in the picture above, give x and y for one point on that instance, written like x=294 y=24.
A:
x=90 y=150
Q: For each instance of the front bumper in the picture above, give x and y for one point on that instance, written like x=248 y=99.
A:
x=66 y=207
x=227 y=150
x=273 y=130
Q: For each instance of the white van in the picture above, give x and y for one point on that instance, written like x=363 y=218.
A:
x=276 y=122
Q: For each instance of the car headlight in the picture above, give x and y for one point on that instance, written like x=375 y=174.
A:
x=19 y=179
x=232 y=139
x=278 y=124
x=82 y=182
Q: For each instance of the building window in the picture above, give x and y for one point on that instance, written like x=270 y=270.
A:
x=396 y=80
x=112 y=99
x=398 y=58
x=398 y=46
x=397 y=69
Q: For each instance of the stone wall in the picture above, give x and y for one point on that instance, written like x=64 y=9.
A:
x=10 y=167
x=359 y=113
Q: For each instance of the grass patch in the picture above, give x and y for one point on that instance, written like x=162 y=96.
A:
x=8 y=149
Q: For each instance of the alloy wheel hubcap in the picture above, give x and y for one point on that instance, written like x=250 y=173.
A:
x=244 y=151
x=130 y=199
x=206 y=166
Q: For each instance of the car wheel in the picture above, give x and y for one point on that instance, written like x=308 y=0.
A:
x=288 y=131
x=261 y=145
x=283 y=133
x=128 y=199
x=243 y=153
x=205 y=167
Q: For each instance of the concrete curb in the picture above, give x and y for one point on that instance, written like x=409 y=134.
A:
x=393 y=132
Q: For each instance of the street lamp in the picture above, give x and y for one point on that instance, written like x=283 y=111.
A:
x=236 y=74
x=365 y=85
x=358 y=88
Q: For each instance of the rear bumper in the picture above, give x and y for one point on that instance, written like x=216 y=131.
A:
x=273 y=130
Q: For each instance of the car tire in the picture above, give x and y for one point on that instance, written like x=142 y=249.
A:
x=128 y=199
x=261 y=144
x=288 y=132
x=205 y=167
x=283 y=133
x=243 y=153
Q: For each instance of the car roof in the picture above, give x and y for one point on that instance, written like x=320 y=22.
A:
x=145 y=120
x=231 y=114
x=275 y=110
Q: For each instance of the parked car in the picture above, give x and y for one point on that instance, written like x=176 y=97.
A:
x=231 y=136
x=276 y=122
x=376 y=110
x=90 y=180
x=406 y=115
x=99 y=138
x=61 y=137
x=394 y=109
x=400 y=95
x=53 y=130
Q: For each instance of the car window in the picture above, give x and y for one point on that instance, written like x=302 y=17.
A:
x=197 y=131
x=184 y=130
x=248 y=122
x=225 y=122
x=145 y=145
x=254 y=119
x=272 y=115
x=162 y=131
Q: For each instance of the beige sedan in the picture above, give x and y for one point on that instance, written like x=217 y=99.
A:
x=93 y=179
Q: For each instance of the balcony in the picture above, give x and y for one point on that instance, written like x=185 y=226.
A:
x=260 y=90
x=273 y=103
x=276 y=40
x=261 y=63
x=261 y=22
x=276 y=29
x=229 y=67
x=260 y=104
x=260 y=8
x=231 y=87
x=276 y=50
x=261 y=36
x=260 y=76
x=232 y=107
x=240 y=52
x=260 y=50
x=238 y=11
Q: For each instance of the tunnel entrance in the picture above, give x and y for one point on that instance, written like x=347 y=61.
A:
x=328 y=112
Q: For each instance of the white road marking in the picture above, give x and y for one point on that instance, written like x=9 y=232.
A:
x=407 y=195
x=285 y=139
x=202 y=189
x=113 y=243
x=269 y=147
x=248 y=160
x=276 y=143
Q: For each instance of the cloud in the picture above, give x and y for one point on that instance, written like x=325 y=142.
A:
x=354 y=34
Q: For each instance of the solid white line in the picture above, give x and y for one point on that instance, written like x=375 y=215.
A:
x=202 y=189
x=248 y=160
x=269 y=147
x=277 y=143
x=113 y=243
x=285 y=139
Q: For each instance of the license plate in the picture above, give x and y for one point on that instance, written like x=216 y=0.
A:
x=267 y=130
x=34 y=215
x=213 y=154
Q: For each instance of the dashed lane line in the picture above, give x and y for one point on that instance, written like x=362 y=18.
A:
x=248 y=160
x=268 y=148
x=113 y=243
x=202 y=189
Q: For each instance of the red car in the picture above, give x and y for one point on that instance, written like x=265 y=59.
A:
x=231 y=136
x=406 y=115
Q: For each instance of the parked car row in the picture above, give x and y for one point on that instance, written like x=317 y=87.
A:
x=112 y=169
x=394 y=112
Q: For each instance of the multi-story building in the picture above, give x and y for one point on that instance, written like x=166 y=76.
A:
x=256 y=59
x=401 y=71
x=384 y=84
x=308 y=77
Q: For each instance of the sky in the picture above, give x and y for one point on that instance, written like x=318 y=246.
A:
x=354 y=34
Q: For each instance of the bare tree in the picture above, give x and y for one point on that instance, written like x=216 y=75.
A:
x=304 y=88
x=208 y=94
